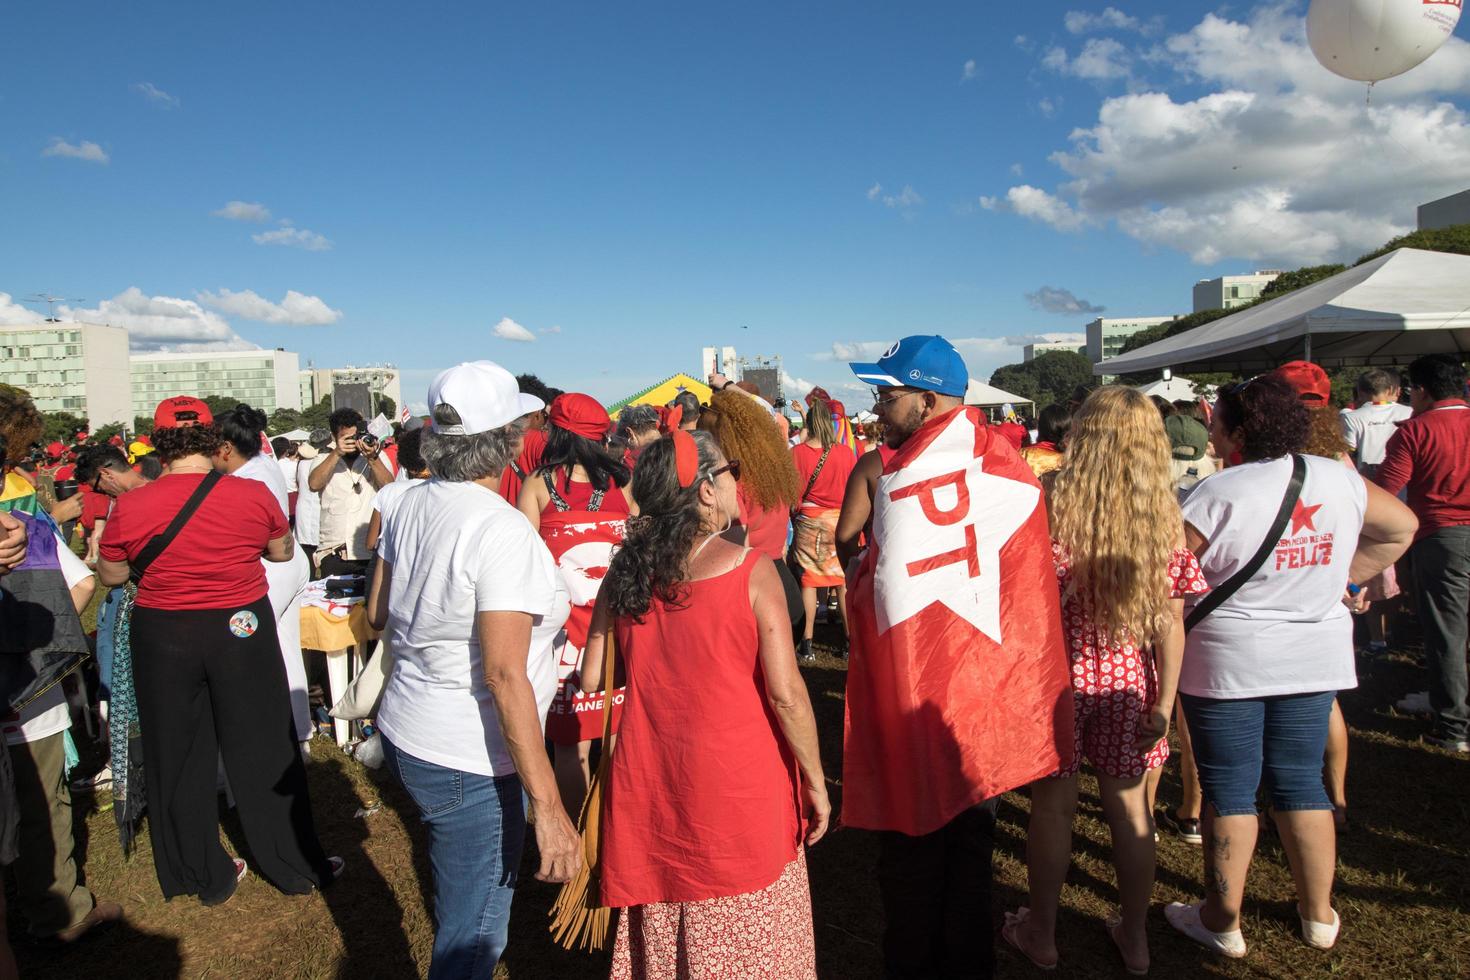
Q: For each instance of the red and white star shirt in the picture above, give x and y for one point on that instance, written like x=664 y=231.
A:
x=1286 y=631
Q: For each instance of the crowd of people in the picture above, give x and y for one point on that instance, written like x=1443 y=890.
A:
x=1012 y=603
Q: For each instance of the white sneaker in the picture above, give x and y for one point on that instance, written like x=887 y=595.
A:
x=1414 y=704
x=1320 y=936
x=1185 y=918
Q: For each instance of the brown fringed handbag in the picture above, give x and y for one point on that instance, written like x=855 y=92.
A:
x=578 y=921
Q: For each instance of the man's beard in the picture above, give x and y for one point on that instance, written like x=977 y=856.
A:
x=898 y=428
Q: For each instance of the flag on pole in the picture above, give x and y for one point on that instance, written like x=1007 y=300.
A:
x=959 y=684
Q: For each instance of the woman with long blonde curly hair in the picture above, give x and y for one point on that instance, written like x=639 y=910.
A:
x=1123 y=570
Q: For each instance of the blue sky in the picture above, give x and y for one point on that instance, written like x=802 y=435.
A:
x=628 y=183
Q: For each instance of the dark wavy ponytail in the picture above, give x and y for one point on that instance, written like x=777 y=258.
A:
x=653 y=560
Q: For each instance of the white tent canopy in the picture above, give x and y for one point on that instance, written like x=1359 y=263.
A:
x=1176 y=389
x=295 y=435
x=984 y=395
x=1391 y=310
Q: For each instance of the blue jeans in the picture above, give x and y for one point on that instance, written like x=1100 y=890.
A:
x=1235 y=739
x=477 y=826
x=106 y=642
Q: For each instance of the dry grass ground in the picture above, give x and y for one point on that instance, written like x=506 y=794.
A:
x=1402 y=885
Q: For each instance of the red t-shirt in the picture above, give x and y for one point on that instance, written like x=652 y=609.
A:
x=94 y=508
x=214 y=563
x=831 y=484
x=1429 y=456
x=65 y=472
x=765 y=530
x=533 y=447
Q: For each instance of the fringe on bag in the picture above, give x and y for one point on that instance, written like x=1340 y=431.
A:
x=578 y=919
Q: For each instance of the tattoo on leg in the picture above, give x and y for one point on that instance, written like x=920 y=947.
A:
x=1219 y=883
x=1222 y=848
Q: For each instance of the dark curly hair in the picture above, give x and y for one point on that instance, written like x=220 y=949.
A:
x=346 y=418
x=20 y=422
x=241 y=427
x=1268 y=414
x=176 y=442
x=653 y=561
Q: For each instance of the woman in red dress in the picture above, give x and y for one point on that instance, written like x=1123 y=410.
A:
x=715 y=777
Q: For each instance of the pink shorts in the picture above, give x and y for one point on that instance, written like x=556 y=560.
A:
x=1112 y=692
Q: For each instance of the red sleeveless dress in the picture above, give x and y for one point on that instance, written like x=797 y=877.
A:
x=702 y=796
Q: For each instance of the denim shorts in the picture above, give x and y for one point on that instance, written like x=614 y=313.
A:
x=1235 y=741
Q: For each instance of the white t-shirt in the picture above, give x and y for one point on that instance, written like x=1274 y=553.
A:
x=288 y=472
x=458 y=549
x=48 y=714
x=1286 y=630
x=308 y=504
x=283 y=578
x=391 y=493
x=346 y=508
x=1367 y=429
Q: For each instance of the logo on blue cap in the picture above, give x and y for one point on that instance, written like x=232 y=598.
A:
x=929 y=363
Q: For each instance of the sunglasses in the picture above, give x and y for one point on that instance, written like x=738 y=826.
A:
x=97 y=482
x=1237 y=387
x=731 y=466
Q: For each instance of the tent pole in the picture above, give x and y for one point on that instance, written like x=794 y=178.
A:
x=1307 y=340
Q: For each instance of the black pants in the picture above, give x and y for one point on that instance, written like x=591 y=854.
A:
x=204 y=691
x=936 y=899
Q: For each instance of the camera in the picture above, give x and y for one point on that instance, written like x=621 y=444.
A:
x=368 y=440
x=66 y=489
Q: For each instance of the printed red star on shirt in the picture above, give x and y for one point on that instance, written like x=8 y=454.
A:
x=1301 y=517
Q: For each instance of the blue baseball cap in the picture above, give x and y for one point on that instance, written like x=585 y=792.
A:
x=927 y=363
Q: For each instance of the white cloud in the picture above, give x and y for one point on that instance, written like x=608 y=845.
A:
x=295 y=238
x=1277 y=160
x=296 y=309
x=906 y=199
x=12 y=313
x=244 y=211
x=1111 y=19
x=550 y=330
x=969 y=71
x=1035 y=203
x=161 y=322
x=1047 y=107
x=1101 y=59
x=874 y=191
x=1017 y=170
x=156 y=95
x=508 y=329
x=85 y=150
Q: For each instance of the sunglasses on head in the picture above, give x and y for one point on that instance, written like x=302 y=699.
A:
x=731 y=466
x=1237 y=387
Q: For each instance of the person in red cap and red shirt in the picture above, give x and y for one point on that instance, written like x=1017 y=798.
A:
x=207 y=667
x=577 y=502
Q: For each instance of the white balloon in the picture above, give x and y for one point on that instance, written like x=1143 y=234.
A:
x=1370 y=40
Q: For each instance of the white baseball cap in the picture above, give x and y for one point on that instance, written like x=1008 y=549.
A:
x=484 y=394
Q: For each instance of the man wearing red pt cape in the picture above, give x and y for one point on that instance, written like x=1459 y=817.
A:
x=958 y=688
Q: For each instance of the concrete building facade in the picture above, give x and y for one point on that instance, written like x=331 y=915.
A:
x=1228 y=292
x=1106 y=335
x=1452 y=210
x=263 y=379
x=80 y=368
x=1030 y=351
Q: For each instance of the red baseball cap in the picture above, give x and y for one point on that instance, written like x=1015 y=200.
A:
x=173 y=413
x=55 y=450
x=580 y=415
x=1309 y=380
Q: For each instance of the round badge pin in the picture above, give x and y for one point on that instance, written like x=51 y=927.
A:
x=244 y=623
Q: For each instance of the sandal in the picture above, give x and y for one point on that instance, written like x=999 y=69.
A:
x=1009 y=933
x=1114 y=923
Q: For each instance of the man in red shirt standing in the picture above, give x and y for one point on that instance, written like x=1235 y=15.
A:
x=1429 y=456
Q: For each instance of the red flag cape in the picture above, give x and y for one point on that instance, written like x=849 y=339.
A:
x=582 y=542
x=959 y=686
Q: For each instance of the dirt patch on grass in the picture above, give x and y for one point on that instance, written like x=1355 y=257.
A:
x=1402 y=881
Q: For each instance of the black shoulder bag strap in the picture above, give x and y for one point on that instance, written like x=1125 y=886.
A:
x=1220 y=593
x=816 y=472
x=160 y=542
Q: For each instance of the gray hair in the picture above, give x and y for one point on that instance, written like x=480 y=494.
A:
x=637 y=418
x=461 y=459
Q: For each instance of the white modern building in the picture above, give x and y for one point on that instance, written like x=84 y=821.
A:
x=80 y=368
x=1452 y=210
x=1106 y=335
x=1228 y=292
x=382 y=380
x=263 y=379
x=1030 y=351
